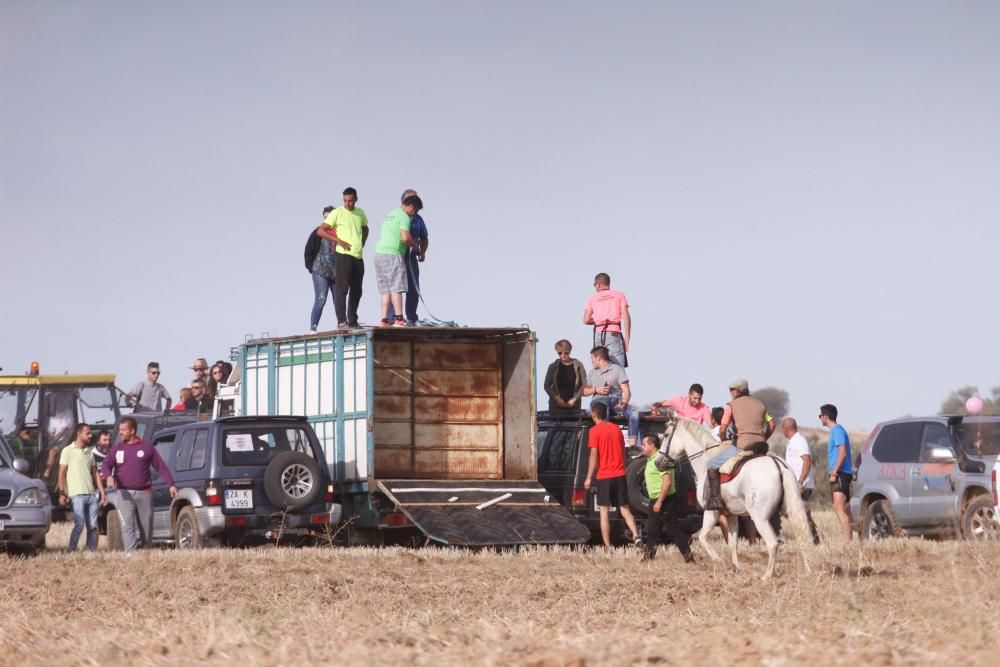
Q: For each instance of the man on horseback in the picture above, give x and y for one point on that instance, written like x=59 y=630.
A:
x=753 y=425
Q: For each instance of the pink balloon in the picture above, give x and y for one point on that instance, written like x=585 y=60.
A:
x=974 y=405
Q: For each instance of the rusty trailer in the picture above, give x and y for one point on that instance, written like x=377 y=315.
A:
x=419 y=426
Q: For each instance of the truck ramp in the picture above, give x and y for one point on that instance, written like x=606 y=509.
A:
x=484 y=513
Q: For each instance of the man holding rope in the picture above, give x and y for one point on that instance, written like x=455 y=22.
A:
x=607 y=312
x=413 y=257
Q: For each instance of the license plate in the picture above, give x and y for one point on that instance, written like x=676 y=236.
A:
x=239 y=499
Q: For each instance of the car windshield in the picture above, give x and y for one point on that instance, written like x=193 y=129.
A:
x=18 y=409
x=256 y=445
x=980 y=438
x=6 y=455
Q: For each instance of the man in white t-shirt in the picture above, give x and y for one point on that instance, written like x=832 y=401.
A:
x=800 y=460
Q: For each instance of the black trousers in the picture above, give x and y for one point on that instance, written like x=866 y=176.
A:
x=350 y=274
x=665 y=521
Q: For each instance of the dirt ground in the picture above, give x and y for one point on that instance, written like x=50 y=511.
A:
x=896 y=602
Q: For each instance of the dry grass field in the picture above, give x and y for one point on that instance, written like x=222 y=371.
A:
x=896 y=602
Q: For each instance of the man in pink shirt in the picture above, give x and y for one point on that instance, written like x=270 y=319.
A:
x=689 y=407
x=607 y=312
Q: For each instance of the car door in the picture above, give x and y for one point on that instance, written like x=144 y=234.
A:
x=161 y=492
x=896 y=450
x=932 y=482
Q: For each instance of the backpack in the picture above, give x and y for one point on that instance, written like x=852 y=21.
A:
x=312 y=249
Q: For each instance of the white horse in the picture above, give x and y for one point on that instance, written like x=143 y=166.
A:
x=763 y=485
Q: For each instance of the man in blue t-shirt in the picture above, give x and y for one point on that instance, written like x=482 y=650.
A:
x=413 y=257
x=838 y=453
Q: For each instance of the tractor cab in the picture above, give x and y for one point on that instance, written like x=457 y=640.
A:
x=38 y=414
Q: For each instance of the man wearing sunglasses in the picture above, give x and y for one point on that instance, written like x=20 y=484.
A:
x=150 y=395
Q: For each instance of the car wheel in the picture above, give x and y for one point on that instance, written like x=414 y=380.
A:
x=292 y=480
x=980 y=520
x=115 y=540
x=187 y=535
x=635 y=480
x=880 y=521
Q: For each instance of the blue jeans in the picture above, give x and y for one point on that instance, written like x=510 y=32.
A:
x=628 y=412
x=321 y=287
x=84 y=516
x=724 y=455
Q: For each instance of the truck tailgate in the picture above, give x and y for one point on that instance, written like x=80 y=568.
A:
x=482 y=513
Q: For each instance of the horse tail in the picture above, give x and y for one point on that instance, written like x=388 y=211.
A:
x=795 y=508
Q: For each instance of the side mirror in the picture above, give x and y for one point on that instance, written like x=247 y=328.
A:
x=941 y=455
x=22 y=466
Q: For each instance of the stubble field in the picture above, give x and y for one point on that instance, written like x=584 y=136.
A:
x=896 y=602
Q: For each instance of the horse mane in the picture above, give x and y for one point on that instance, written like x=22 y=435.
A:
x=701 y=435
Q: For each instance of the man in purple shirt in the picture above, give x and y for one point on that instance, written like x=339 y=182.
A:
x=126 y=468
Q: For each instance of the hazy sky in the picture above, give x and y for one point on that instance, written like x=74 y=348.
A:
x=804 y=194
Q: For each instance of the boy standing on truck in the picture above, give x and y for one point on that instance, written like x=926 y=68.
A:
x=607 y=460
x=347 y=227
x=661 y=485
x=394 y=242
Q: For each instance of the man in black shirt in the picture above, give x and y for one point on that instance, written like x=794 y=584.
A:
x=199 y=402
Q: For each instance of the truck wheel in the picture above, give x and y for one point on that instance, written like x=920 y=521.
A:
x=292 y=480
x=186 y=532
x=115 y=540
x=980 y=520
x=880 y=522
x=635 y=479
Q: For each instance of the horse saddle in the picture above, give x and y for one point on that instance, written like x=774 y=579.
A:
x=732 y=467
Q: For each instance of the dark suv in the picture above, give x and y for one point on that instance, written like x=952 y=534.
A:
x=240 y=480
x=928 y=475
x=563 y=456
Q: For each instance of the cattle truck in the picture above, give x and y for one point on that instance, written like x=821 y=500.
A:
x=429 y=433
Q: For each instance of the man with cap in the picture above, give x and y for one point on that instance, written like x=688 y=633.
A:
x=200 y=368
x=753 y=426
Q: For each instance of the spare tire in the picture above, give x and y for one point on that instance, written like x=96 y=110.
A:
x=292 y=480
x=635 y=478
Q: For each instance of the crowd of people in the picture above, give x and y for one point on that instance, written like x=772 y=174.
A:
x=197 y=396
x=337 y=263
x=742 y=427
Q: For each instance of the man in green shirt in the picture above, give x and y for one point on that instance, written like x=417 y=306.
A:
x=390 y=258
x=347 y=228
x=661 y=486
x=78 y=484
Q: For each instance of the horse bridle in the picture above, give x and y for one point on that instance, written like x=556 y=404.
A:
x=669 y=436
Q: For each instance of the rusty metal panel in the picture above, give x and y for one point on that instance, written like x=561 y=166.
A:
x=393 y=406
x=394 y=461
x=398 y=353
x=456 y=409
x=457 y=464
x=519 y=408
x=456 y=355
x=457 y=383
x=457 y=436
x=393 y=380
x=393 y=433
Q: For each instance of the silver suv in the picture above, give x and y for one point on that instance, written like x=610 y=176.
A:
x=928 y=476
x=25 y=510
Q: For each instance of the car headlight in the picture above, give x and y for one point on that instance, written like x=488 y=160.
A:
x=32 y=496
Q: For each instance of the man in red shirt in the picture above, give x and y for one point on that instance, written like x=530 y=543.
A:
x=607 y=459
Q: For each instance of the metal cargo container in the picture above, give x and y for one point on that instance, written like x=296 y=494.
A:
x=453 y=408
